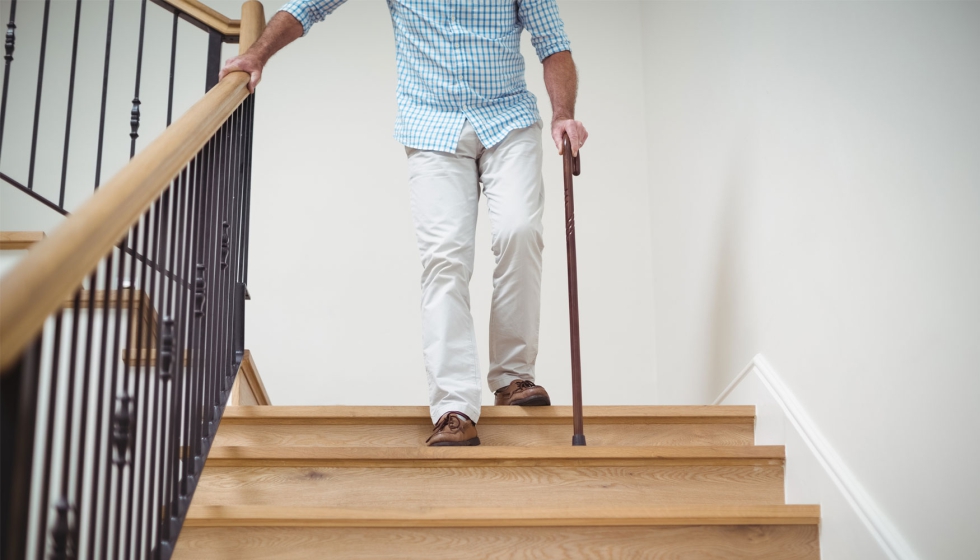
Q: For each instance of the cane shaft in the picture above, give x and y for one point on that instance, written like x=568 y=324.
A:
x=572 y=168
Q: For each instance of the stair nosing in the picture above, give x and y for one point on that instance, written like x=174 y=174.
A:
x=419 y=456
x=283 y=516
x=419 y=415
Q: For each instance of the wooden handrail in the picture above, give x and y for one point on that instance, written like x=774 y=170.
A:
x=55 y=267
x=208 y=16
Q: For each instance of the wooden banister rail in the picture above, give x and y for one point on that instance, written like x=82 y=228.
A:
x=208 y=16
x=56 y=266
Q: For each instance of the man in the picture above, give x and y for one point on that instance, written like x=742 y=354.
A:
x=466 y=118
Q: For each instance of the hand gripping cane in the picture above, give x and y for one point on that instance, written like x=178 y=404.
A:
x=573 y=167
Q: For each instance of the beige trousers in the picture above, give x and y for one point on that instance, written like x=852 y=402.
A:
x=445 y=192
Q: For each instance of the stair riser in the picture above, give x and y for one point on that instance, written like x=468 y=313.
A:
x=765 y=542
x=490 y=435
x=490 y=486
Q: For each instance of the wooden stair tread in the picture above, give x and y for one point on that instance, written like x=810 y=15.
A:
x=279 y=516
x=19 y=240
x=493 y=415
x=228 y=456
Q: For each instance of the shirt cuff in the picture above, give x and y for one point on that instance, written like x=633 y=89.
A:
x=305 y=12
x=544 y=51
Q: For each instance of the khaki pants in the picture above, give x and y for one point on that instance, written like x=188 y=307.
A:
x=445 y=192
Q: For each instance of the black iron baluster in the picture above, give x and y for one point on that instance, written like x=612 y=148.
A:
x=20 y=405
x=173 y=61
x=86 y=382
x=62 y=534
x=121 y=398
x=166 y=330
x=49 y=437
x=160 y=209
x=137 y=280
x=214 y=59
x=37 y=100
x=8 y=57
x=71 y=96
x=105 y=89
x=250 y=116
x=100 y=423
x=69 y=544
x=134 y=114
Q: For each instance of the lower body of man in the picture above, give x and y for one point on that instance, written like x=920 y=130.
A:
x=445 y=193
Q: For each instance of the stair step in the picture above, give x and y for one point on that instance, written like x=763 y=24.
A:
x=272 y=516
x=502 y=456
x=19 y=240
x=401 y=426
x=677 y=532
x=490 y=486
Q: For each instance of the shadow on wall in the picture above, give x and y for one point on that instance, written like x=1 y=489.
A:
x=727 y=330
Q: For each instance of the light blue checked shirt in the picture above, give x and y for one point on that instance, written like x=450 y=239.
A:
x=460 y=60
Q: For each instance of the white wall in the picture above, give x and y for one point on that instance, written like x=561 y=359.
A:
x=334 y=270
x=334 y=267
x=815 y=194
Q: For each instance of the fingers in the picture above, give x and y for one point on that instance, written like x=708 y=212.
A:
x=256 y=76
x=577 y=135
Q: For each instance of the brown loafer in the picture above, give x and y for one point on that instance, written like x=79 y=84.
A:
x=454 y=428
x=522 y=393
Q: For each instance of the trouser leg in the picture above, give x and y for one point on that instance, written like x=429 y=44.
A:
x=513 y=185
x=444 y=199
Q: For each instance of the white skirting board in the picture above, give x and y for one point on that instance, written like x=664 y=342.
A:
x=851 y=525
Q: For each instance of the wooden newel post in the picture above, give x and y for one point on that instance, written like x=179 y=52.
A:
x=573 y=167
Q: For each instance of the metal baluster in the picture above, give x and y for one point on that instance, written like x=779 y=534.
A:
x=8 y=57
x=83 y=427
x=173 y=60
x=71 y=96
x=100 y=400
x=20 y=402
x=160 y=210
x=214 y=59
x=69 y=544
x=52 y=389
x=126 y=427
x=183 y=316
x=250 y=115
x=37 y=99
x=164 y=375
x=134 y=119
x=105 y=88
x=120 y=412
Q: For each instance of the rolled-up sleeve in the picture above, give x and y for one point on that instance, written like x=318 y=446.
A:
x=541 y=19
x=308 y=12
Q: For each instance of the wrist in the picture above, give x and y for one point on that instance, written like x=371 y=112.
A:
x=556 y=117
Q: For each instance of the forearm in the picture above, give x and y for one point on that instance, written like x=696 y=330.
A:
x=281 y=30
x=561 y=80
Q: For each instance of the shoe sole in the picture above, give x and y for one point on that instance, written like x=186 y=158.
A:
x=533 y=401
x=469 y=442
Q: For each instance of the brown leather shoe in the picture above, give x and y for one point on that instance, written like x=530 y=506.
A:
x=522 y=393
x=454 y=428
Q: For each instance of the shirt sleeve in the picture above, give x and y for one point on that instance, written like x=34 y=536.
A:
x=308 y=12
x=541 y=19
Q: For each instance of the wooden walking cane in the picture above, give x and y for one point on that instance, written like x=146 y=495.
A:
x=573 y=167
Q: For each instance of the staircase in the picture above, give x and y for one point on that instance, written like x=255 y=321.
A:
x=678 y=482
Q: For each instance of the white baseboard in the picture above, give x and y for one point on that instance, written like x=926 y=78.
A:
x=851 y=524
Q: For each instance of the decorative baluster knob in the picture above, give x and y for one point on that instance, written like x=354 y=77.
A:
x=200 y=291
x=224 y=244
x=167 y=349
x=9 y=44
x=134 y=119
x=121 y=421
